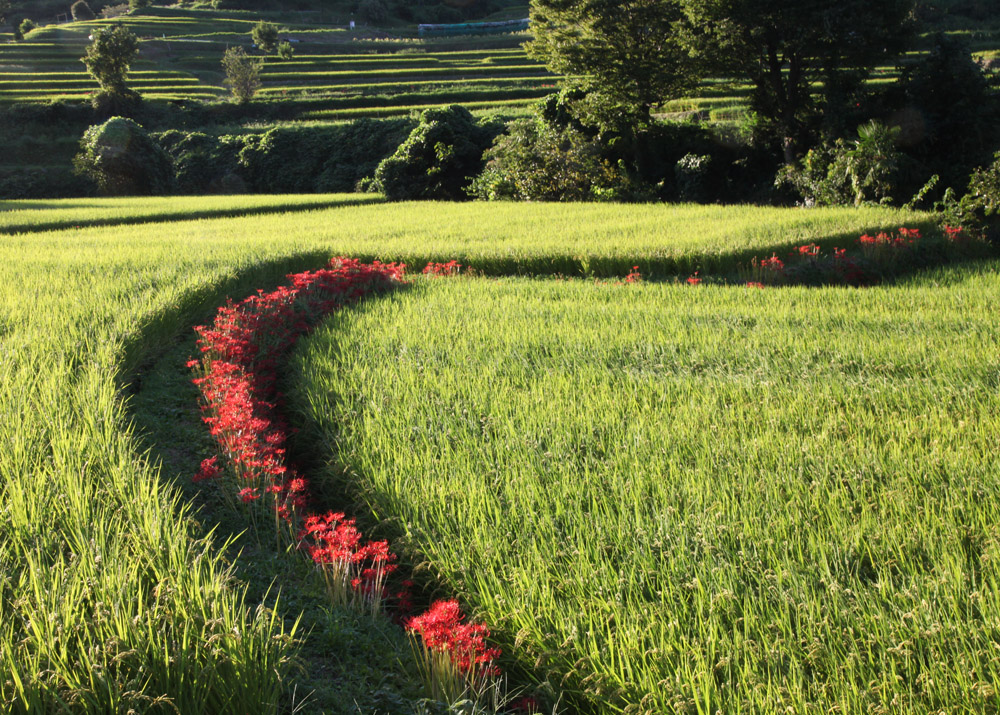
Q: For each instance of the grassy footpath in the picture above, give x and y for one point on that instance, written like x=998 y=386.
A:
x=110 y=594
x=685 y=498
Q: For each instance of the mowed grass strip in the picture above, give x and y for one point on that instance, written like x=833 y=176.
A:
x=691 y=499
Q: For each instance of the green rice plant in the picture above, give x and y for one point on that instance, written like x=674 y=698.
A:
x=690 y=498
x=112 y=595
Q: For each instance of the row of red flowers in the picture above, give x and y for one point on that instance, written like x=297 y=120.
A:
x=240 y=358
x=879 y=255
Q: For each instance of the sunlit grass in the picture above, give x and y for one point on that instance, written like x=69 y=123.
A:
x=691 y=499
x=109 y=597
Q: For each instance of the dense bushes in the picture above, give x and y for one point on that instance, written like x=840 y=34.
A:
x=121 y=159
x=978 y=212
x=561 y=154
x=284 y=160
x=438 y=160
x=866 y=170
x=536 y=161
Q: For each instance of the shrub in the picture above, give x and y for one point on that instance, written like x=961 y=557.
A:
x=691 y=173
x=199 y=161
x=122 y=159
x=286 y=51
x=296 y=160
x=864 y=171
x=242 y=74
x=283 y=160
x=438 y=160
x=26 y=26
x=265 y=36
x=978 y=212
x=536 y=161
x=122 y=103
x=111 y=11
x=81 y=11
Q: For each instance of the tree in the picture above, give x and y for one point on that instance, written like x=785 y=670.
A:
x=438 y=160
x=122 y=159
x=265 y=36
x=625 y=50
x=4 y=9
x=242 y=73
x=785 y=48
x=108 y=59
x=81 y=11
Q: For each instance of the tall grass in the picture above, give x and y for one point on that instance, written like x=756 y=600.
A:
x=111 y=596
x=691 y=499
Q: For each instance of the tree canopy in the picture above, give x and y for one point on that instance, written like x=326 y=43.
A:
x=626 y=50
x=110 y=56
x=789 y=50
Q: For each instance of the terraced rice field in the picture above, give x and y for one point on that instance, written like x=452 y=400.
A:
x=717 y=496
x=334 y=72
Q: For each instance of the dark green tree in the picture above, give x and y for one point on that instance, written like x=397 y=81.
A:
x=438 y=160
x=242 y=73
x=627 y=51
x=81 y=11
x=108 y=59
x=785 y=48
x=265 y=36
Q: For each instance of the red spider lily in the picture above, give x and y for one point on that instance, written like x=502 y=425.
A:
x=811 y=250
x=240 y=359
x=451 y=268
x=209 y=469
x=634 y=276
x=773 y=263
x=840 y=254
x=906 y=237
x=754 y=284
x=442 y=630
x=694 y=280
x=953 y=233
x=249 y=494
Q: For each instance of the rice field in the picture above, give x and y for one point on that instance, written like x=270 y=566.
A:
x=677 y=498
x=91 y=515
x=181 y=52
x=348 y=74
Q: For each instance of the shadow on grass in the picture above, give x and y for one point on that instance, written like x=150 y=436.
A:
x=348 y=662
x=179 y=215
